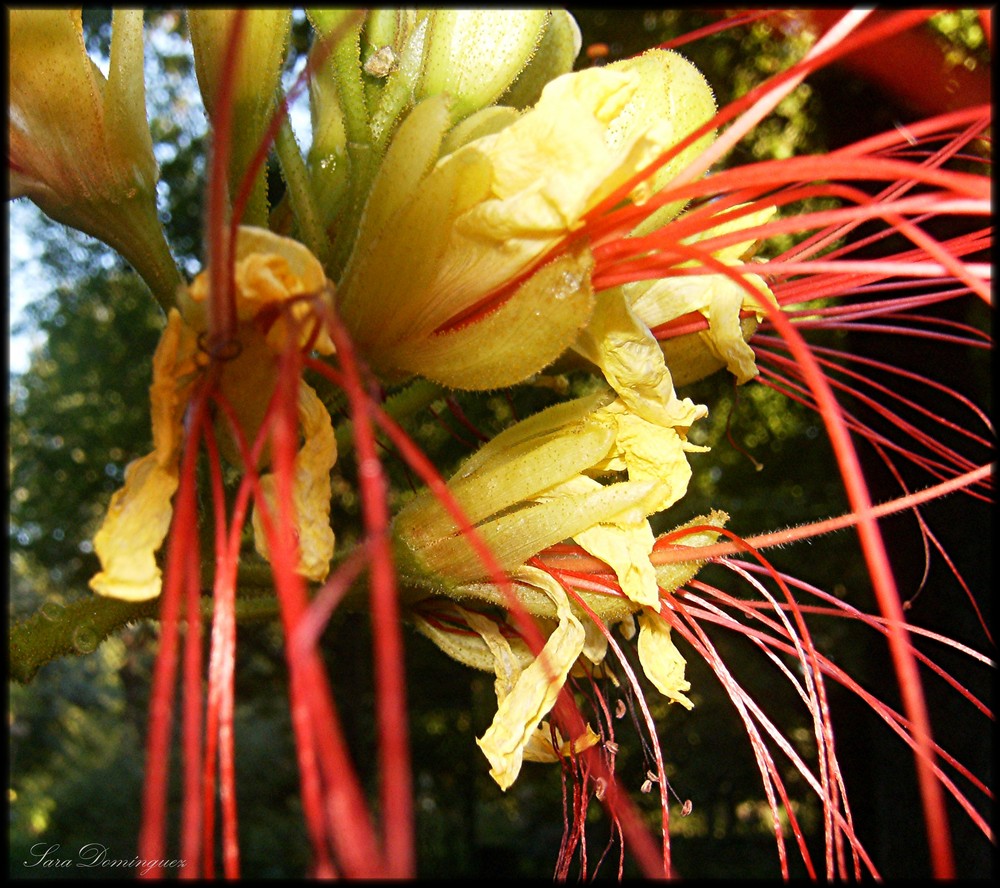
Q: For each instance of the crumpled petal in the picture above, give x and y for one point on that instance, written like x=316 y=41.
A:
x=535 y=689
x=649 y=453
x=629 y=356
x=270 y=271
x=540 y=748
x=139 y=514
x=660 y=659
x=311 y=490
x=716 y=296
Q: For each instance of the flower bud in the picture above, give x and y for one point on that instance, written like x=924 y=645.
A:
x=80 y=147
x=254 y=80
x=555 y=56
x=473 y=55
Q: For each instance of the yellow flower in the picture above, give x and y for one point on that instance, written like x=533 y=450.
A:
x=536 y=484
x=527 y=686
x=80 y=147
x=271 y=272
x=460 y=271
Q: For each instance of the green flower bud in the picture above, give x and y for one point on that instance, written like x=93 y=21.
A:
x=255 y=80
x=555 y=56
x=473 y=56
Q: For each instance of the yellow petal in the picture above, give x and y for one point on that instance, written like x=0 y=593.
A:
x=619 y=536
x=270 y=271
x=660 y=659
x=540 y=748
x=650 y=452
x=618 y=342
x=311 y=490
x=134 y=528
x=720 y=299
x=536 y=689
x=716 y=296
x=677 y=97
x=625 y=547
x=139 y=514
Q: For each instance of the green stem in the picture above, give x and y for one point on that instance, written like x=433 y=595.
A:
x=296 y=177
x=81 y=626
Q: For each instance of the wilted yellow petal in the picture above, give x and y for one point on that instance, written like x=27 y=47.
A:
x=648 y=452
x=625 y=547
x=270 y=271
x=720 y=299
x=536 y=689
x=139 y=514
x=621 y=538
x=660 y=659
x=618 y=342
x=540 y=748
x=311 y=490
x=134 y=528
x=716 y=296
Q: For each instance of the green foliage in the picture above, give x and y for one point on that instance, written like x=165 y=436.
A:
x=76 y=418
